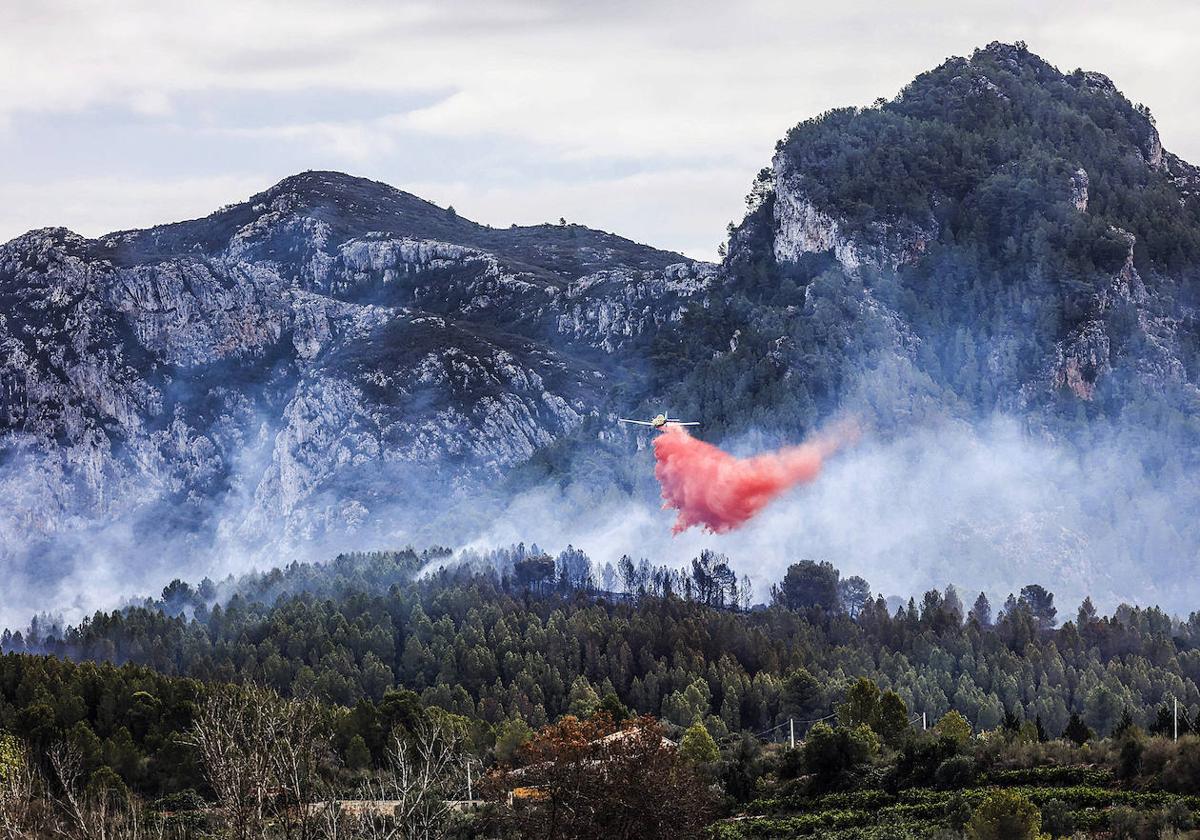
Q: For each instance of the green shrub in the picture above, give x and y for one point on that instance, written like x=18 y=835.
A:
x=955 y=773
x=1057 y=818
x=1181 y=772
x=1005 y=815
x=829 y=753
x=1124 y=824
x=954 y=725
x=698 y=746
x=1051 y=776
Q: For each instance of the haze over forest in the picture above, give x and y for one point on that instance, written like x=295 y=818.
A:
x=322 y=515
x=993 y=273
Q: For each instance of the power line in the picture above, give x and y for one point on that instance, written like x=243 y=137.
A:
x=790 y=723
x=818 y=720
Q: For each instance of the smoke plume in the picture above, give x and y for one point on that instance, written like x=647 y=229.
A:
x=720 y=492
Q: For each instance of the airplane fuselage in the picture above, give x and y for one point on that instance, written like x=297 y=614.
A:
x=658 y=423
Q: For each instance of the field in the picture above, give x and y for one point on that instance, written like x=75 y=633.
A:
x=1074 y=801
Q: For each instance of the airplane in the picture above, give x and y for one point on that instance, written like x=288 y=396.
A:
x=660 y=422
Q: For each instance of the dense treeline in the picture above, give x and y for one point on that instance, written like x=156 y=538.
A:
x=126 y=718
x=504 y=650
x=496 y=640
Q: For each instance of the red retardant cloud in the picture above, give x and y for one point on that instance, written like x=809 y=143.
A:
x=719 y=492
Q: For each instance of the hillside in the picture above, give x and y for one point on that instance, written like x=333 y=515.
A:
x=519 y=656
x=1001 y=243
x=307 y=362
x=995 y=271
x=1023 y=233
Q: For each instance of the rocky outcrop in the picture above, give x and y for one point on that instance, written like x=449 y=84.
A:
x=1079 y=190
x=612 y=309
x=800 y=227
x=1123 y=307
x=1183 y=175
x=803 y=229
x=299 y=363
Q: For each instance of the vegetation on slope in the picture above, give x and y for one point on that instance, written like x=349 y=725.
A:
x=509 y=643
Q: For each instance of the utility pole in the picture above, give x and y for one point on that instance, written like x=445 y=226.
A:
x=923 y=723
x=792 y=732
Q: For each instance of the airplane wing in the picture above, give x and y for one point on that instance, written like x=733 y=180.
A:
x=681 y=423
x=635 y=422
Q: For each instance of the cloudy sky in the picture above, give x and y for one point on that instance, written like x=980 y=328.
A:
x=645 y=118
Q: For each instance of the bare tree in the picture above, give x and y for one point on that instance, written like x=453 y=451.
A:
x=78 y=819
x=745 y=594
x=263 y=756
x=95 y=812
x=233 y=734
x=426 y=774
x=23 y=815
x=334 y=823
x=301 y=746
x=427 y=771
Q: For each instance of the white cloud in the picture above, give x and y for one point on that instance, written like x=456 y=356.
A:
x=95 y=206
x=664 y=87
x=359 y=142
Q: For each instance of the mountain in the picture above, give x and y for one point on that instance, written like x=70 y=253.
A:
x=284 y=363
x=998 y=268
x=1020 y=237
x=337 y=360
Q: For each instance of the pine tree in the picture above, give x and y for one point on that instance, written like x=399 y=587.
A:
x=358 y=757
x=697 y=746
x=1077 y=731
x=981 y=612
x=1087 y=614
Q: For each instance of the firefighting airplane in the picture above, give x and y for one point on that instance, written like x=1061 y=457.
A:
x=660 y=422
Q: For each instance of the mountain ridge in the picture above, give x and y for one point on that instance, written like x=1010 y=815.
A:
x=328 y=193
x=290 y=337
x=335 y=359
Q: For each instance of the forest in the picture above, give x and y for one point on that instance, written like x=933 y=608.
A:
x=1001 y=242
x=527 y=667
x=980 y=160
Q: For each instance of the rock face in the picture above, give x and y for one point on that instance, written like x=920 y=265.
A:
x=1000 y=240
x=1079 y=190
x=964 y=224
x=803 y=228
x=298 y=362
x=338 y=359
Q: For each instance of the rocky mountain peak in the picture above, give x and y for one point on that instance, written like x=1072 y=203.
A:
x=875 y=187
x=338 y=197
x=330 y=185
x=335 y=359
x=1015 y=55
x=291 y=366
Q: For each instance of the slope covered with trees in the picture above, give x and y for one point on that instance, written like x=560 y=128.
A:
x=487 y=641
x=505 y=644
x=1001 y=235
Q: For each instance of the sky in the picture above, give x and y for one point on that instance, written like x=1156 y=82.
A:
x=644 y=118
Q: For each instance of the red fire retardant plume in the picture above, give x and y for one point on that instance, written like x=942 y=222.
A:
x=719 y=492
